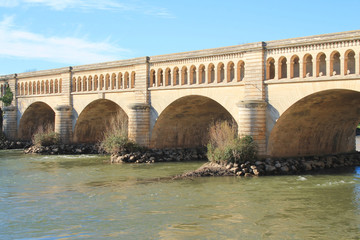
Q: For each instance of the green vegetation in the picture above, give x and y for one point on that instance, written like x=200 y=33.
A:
x=225 y=146
x=116 y=139
x=45 y=137
x=8 y=96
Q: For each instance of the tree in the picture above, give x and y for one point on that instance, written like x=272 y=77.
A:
x=8 y=96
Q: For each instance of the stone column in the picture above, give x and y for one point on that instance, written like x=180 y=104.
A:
x=276 y=67
x=357 y=63
x=328 y=73
x=342 y=67
x=10 y=122
x=139 y=123
x=288 y=68
x=63 y=122
x=252 y=122
x=301 y=69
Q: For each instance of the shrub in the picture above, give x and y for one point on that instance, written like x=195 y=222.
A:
x=45 y=137
x=225 y=146
x=115 y=139
x=116 y=142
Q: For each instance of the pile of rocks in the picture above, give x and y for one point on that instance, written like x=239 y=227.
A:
x=64 y=149
x=160 y=155
x=7 y=144
x=276 y=166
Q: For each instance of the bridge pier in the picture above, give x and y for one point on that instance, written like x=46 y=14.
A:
x=10 y=122
x=139 y=123
x=63 y=122
x=252 y=122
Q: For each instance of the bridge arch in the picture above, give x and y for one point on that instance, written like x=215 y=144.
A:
x=321 y=123
x=96 y=118
x=185 y=122
x=37 y=117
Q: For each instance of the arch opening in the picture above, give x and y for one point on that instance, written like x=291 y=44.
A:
x=96 y=118
x=185 y=122
x=308 y=66
x=321 y=65
x=319 y=124
x=295 y=67
x=270 y=69
x=37 y=117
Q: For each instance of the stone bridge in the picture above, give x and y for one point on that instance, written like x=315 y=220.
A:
x=296 y=97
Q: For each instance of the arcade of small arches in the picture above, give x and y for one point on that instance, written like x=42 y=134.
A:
x=39 y=87
x=198 y=74
x=104 y=82
x=336 y=65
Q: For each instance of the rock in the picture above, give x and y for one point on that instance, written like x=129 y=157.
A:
x=256 y=172
x=278 y=165
x=269 y=168
x=248 y=175
x=240 y=173
x=284 y=169
x=229 y=166
x=306 y=166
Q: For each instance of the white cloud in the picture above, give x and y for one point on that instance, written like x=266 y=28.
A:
x=8 y=3
x=83 y=4
x=108 y=5
x=68 y=50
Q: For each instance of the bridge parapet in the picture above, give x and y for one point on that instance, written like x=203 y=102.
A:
x=329 y=56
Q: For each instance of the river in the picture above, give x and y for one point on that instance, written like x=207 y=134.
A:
x=84 y=197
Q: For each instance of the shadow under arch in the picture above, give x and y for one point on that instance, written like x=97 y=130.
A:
x=38 y=116
x=319 y=124
x=185 y=122
x=96 y=118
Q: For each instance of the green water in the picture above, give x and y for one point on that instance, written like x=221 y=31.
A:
x=84 y=197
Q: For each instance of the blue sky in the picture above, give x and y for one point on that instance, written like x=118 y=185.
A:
x=46 y=34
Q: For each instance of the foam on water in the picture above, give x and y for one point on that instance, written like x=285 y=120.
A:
x=301 y=178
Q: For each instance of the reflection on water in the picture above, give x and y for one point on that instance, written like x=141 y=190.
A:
x=83 y=197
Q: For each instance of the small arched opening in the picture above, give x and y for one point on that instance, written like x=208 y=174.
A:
x=335 y=64
x=220 y=73
x=321 y=65
x=308 y=66
x=282 y=67
x=211 y=73
x=184 y=76
x=350 y=62
x=270 y=68
x=294 y=67
x=240 y=71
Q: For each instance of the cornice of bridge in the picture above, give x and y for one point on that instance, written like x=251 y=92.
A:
x=113 y=64
x=43 y=73
x=208 y=52
x=314 y=40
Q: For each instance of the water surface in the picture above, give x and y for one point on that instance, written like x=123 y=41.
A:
x=84 y=197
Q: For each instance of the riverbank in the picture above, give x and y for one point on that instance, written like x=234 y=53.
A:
x=276 y=166
x=63 y=149
x=269 y=166
x=7 y=144
x=161 y=155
